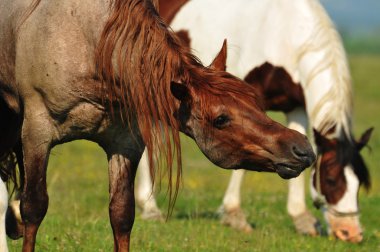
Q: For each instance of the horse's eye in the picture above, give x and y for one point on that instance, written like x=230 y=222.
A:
x=221 y=121
x=330 y=181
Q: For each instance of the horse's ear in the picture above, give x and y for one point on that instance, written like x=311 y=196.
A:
x=179 y=91
x=156 y=4
x=364 y=139
x=220 y=61
x=321 y=141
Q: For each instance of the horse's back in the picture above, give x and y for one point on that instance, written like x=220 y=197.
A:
x=265 y=25
x=55 y=49
x=56 y=32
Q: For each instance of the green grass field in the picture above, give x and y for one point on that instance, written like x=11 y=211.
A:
x=77 y=219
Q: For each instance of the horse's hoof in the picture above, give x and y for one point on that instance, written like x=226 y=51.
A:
x=153 y=214
x=13 y=223
x=307 y=224
x=236 y=219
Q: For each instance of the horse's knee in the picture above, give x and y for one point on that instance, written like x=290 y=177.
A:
x=122 y=216
x=34 y=205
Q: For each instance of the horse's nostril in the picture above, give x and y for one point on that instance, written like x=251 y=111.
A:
x=299 y=152
x=345 y=233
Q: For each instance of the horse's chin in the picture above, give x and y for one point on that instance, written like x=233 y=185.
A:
x=287 y=172
x=283 y=170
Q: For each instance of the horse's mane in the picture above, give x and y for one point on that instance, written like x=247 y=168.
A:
x=148 y=57
x=339 y=97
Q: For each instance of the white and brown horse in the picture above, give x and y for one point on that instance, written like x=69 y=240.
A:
x=292 y=52
x=104 y=71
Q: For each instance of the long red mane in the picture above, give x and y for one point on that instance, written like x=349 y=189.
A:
x=148 y=57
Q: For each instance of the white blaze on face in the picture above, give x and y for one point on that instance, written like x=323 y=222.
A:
x=349 y=201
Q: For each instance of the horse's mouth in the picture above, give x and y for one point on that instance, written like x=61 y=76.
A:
x=286 y=171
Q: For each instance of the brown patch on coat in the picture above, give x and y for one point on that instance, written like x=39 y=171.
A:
x=183 y=35
x=277 y=86
x=169 y=8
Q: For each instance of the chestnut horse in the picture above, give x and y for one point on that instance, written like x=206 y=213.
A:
x=111 y=72
x=313 y=84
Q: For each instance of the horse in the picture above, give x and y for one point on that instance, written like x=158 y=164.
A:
x=3 y=210
x=293 y=53
x=112 y=72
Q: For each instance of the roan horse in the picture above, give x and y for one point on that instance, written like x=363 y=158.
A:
x=104 y=71
x=313 y=84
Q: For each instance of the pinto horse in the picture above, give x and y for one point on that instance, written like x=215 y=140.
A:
x=111 y=72
x=292 y=52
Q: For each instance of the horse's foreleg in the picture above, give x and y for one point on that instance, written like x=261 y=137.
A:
x=122 y=201
x=231 y=212
x=303 y=220
x=36 y=143
x=144 y=192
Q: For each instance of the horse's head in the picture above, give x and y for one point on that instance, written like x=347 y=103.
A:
x=226 y=118
x=341 y=171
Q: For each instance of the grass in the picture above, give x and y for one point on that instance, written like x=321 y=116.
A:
x=77 y=219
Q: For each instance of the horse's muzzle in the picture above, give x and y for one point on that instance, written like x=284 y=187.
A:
x=305 y=156
x=301 y=161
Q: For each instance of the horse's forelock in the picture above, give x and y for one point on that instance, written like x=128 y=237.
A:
x=222 y=86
